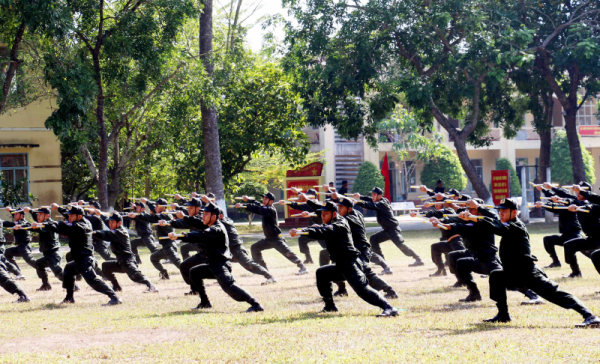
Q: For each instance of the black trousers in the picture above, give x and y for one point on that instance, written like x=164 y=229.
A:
x=188 y=264
x=445 y=247
x=147 y=241
x=303 y=241
x=240 y=255
x=187 y=248
x=23 y=251
x=222 y=273
x=11 y=268
x=375 y=281
x=534 y=279
x=50 y=260
x=551 y=241
x=5 y=280
x=101 y=247
x=469 y=264
x=596 y=259
x=354 y=273
x=280 y=245
x=85 y=267
x=128 y=266
x=579 y=245
x=167 y=252
x=396 y=237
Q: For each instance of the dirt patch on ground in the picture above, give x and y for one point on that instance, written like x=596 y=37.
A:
x=66 y=342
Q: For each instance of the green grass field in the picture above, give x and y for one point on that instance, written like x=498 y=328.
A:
x=162 y=328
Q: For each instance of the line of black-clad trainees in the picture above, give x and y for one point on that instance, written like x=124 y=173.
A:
x=467 y=242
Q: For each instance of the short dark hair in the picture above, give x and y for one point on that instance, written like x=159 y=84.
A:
x=344 y=182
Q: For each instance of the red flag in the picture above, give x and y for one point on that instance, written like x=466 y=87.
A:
x=385 y=170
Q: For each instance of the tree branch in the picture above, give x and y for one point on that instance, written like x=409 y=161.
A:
x=89 y=161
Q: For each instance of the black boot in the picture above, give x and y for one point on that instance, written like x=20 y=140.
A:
x=116 y=286
x=45 y=286
x=439 y=273
x=256 y=307
x=164 y=275
x=22 y=297
x=341 y=293
x=590 y=321
x=555 y=263
x=203 y=304
x=114 y=300
x=575 y=274
x=308 y=260
x=78 y=277
x=458 y=284
x=500 y=317
x=329 y=305
x=389 y=312
x=473 y=296
x=390 y=294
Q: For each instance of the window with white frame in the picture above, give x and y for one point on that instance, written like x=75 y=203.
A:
x=587 y=114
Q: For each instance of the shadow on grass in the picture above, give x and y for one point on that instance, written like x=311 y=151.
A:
x=435 y=291
x=190 y=312
x=449 y=307
x=486 y=327
x=300 y=317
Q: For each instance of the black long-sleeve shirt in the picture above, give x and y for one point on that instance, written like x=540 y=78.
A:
x=356 y=221
x=568 y=223
x=308 y=207
x=232 y=234
x=383 y=208
x=590 y=221
x=270 y=223
x=338 y=239
x=80 y=236
x=119 y=242
x=142 y=228
x=214 y=242
x=22 y=237
x=48 y=239
x=515 y=247
x=439 y=214
x=477 y=237
x=189 y=222
x=161 y=231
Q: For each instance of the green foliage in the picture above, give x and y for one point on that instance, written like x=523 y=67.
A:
x=369 y=176
x=515 y=186
x=560 y=161
x=252 y=189
x=15 y=194
x=445 y=167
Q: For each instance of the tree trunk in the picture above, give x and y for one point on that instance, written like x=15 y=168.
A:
x=13 y=66
x=545 y=147
x=461 y=150
x=103 y=158
x=114 y=189
x=574 y=145
x=210 y=128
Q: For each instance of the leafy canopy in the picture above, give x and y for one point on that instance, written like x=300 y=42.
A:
x=445 y=167
x=560 y=161
x=369 y=176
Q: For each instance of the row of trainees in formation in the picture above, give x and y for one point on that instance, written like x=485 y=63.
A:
x=468 y=228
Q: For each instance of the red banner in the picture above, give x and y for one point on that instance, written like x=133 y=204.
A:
x=500 y=186
x=385 y=170
x=589 y=130
x=303 y=185
x=311 y=170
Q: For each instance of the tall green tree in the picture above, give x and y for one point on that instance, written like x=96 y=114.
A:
x=446 y=167
x=351 y=58
x=369 y=176
x=110 y=71
x=562 y=169
x=563 y=39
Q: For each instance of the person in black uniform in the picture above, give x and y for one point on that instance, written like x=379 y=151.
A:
x=192 y=221
x=518 y=266
x=215 y=243
x=121 y=247
x=270 y=225
x=481 y=256
x=187 y=248
x=302 y=205
x=391 y=227
x=128 y=206
x=456 y=195
x=356 y=222
x=169 y=248
x=348 y=264
x=100 y=246
x=22 y=241
x=144 y=231
x=344 y=189
x=239 y=253
x=8 y=283
x=439 y=188
x=568 y=224
x=8 y=266
x=79 y=232
x=449 y=242
x=49 y=247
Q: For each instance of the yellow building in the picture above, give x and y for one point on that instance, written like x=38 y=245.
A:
x=345 y=156
x=29 y=150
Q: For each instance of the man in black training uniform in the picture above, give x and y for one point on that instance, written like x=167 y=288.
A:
x=238 y=252
x=49 y=247
x=270 y=225
x=356 y=222
x=391 y=227
x=344 y=189
x=22 y=241
x=439 y=188
x=449 y=241
x=481 y=256
x=7 y=282
x=169 y=248
x=9 y=267
x=79 y=232
x=215 y=243
x=121 y=247
x=100 y=246
x=302 y=205
x=144 y=231
x=348 y=264
x=187 y=248
x=590 y=224
x=568 y=224
x=192 y=221
x=518 y=266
